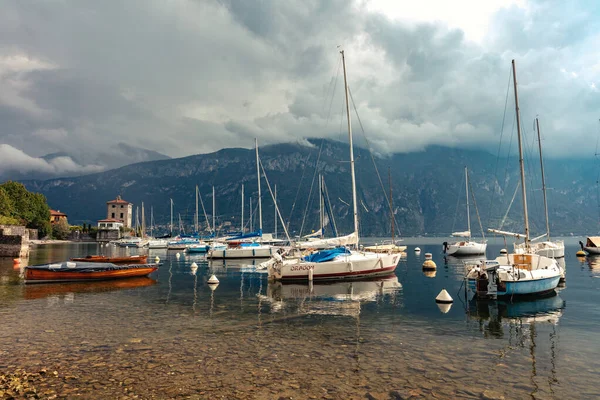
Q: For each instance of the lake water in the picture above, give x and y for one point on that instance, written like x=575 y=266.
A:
x=172 y=336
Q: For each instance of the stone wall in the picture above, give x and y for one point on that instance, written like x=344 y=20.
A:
x=106 y=235
x=14 y=241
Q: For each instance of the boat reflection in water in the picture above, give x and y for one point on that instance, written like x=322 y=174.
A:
x=68 y=290
x=330 y=298
x=494 y=315
x=594 y=263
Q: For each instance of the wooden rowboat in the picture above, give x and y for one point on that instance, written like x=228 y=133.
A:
x=139 y=259
x=84 y=271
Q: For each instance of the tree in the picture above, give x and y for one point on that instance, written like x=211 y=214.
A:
x=61 y=230
x=31 y=209
x=7 y=208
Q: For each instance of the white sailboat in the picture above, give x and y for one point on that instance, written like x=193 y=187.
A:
x=549 y=248
x=466 y=247
x=523 y=273
x=339 y=263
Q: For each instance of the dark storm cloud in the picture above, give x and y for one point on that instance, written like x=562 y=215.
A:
x=183 y=77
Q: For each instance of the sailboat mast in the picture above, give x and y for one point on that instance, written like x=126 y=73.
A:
x=258 y=179
x=391 y=203
x=521 y=161
x=143 y=222
x=354 y=204
x=171 y=217
x=468 y=209
x=275 y=203
x=214 y=226
x=537 y=124
x=251 y=216
x=321 y=215
x=151 y=222
x=242 y=224
x=196 y=219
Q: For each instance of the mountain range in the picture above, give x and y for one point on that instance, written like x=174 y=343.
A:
x=428 y=189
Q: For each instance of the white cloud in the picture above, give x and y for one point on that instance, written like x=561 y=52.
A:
x=12 y=159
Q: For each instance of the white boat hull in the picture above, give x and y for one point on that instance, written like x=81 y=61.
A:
x=353 y=266
x=248 y=252
x=466 y=249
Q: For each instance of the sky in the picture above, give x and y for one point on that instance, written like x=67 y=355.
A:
x=184 y=77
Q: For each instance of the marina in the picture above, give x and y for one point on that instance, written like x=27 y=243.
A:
x=172 y=335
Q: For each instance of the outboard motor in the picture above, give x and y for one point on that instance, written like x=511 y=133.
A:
x=581 y=244
x=445 y=244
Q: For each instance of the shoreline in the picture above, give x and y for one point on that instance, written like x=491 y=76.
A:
x=55 y=241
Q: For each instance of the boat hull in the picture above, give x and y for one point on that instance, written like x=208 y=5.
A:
x=466 y=249
x=592 y=250
x=355 y=266
x=241 y=253
x=33 y=275
x=530 y=287
x=198 y=249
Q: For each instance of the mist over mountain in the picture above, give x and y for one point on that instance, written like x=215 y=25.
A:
x=17 y=165
x=428 y=189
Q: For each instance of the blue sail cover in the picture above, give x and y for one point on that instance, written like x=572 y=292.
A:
x=326 y=255
x=257 y=233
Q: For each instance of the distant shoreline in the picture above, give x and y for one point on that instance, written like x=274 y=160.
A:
x=54 y=241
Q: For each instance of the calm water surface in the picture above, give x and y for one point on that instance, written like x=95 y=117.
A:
x=172 y=336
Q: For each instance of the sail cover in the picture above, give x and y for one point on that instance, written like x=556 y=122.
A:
x=462 y=234
x=326 y=255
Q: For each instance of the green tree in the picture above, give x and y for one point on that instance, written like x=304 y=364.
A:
x=7 y=208
x=61 y=230
x=30 y=208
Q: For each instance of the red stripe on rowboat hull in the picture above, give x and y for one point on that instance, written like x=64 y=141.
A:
x=353 y=274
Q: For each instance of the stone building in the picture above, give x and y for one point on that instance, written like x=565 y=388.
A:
x=121 y=210
x=109 y=229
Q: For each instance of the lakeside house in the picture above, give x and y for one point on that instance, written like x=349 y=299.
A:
x=109 y=229
x=57 y=216
x=120 y=210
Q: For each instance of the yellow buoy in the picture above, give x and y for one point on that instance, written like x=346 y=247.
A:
x=580 y=253
x=430 y=273
x=429 y=263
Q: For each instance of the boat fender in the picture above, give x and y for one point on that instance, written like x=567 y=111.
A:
x=445 y=244
x=270 y=251
x=253 y=252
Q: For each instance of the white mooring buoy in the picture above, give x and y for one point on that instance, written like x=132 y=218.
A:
x=443 y=297
x=194 y=265
x=213 y=279
x=157 y=259
x=429 y=263
x=503 y=251
x=417 y=249
x=177 y=255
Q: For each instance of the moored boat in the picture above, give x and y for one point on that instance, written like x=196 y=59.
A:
x=339 y=263
x=71 y=271
x=137 y=259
